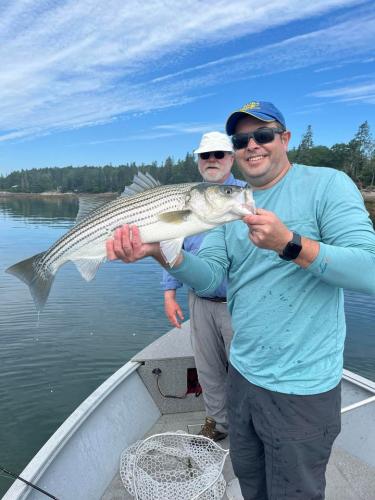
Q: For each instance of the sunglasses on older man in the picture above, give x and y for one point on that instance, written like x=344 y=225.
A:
x=261 y=135
x=219 y=155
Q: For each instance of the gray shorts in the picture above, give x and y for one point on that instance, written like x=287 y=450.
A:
x=280 y=443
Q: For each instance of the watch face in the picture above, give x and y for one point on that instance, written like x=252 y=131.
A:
x=293 y=248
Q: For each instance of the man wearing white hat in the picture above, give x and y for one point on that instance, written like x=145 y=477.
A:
x=210 y=322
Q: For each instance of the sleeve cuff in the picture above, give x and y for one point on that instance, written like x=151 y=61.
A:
x=319 y=266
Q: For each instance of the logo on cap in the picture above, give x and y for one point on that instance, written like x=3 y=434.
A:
x=251 y=105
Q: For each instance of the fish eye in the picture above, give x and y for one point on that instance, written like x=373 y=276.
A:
x=228 y=190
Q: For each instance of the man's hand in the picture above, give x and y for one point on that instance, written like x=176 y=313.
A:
x=128 y=247
x=172 y=308
x=267 y=231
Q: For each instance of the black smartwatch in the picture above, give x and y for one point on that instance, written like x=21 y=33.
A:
x=292 y=249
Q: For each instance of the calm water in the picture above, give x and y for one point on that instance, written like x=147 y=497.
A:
x=87 y=330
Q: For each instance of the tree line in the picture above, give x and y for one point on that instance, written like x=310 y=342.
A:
x=356 y=158
x=90 y=179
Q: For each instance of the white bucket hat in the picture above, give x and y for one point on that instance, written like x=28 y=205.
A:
x=214 y=141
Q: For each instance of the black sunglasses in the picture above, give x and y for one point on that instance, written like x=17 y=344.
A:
x=219 y=155
x=261 y=135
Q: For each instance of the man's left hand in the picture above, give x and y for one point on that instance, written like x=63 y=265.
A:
x=127 y=246
x=267 y=231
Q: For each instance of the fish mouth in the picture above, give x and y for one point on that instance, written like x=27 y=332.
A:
x=246 y=205
x=246 y=209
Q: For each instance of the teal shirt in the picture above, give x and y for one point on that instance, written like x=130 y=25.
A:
x=289 y=322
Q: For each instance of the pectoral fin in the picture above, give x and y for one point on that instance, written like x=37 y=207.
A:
x=176 y=217
x=88 y=267
x=171 y=249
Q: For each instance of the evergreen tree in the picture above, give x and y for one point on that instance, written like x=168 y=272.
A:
x=340 y=154
x=167 y=171
x=306 y=144
x=307 y=139
x=365 y=140
x=366 y=149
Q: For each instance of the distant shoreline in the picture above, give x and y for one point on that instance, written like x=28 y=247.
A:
x=51 y=194
x=367 y=195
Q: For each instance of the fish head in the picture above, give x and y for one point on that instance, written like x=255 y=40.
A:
x=220 y=203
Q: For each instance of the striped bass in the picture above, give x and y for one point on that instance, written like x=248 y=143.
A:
x=165 y=214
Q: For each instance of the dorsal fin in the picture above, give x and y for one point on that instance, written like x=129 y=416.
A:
x=88 y=203
x=141 y=182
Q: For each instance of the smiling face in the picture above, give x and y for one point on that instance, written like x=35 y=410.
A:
x=262 y=164
x=216 y=170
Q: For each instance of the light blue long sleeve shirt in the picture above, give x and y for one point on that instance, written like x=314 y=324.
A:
x=289 y=322
x=192 y=245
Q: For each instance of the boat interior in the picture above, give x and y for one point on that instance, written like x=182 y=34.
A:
x=81 y=460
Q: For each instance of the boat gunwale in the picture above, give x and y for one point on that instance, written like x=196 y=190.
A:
x=51 y=448
x=359 y=381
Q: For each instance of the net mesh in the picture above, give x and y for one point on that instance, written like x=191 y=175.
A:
x=174 y=465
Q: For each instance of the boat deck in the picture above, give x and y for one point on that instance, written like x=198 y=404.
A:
x=351 y=469
x=348 y=477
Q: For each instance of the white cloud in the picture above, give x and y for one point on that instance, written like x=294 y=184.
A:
x=365 y=76
x=161 y=131
x=81 y=62
x=190 y=128
x=353 y=93
x=316 y=47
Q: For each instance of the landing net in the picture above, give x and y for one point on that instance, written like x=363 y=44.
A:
x=174 y=466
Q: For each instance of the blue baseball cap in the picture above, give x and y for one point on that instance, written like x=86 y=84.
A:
x=263 y=110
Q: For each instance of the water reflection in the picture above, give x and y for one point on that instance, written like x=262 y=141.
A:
x=46 y=208
x=51 y=207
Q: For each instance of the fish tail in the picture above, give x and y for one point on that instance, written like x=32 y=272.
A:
x=38 y=278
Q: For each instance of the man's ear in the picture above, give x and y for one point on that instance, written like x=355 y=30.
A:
x=285 y=138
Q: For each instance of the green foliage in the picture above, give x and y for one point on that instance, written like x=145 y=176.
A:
x=356 y=158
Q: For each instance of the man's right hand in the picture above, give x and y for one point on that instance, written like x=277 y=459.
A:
x=172 y=308
x=127 y=246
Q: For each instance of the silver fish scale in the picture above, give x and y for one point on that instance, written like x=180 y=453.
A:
x=141 y=209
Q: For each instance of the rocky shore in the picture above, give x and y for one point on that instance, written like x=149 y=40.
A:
x=368 y=195
x=46 y=194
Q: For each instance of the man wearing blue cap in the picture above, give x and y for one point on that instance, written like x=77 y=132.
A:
x=287 y=267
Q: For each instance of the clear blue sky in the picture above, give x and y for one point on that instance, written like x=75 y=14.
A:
x=88 y=82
